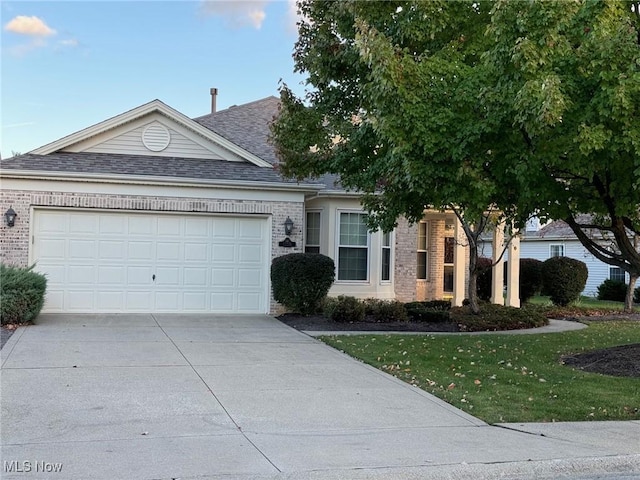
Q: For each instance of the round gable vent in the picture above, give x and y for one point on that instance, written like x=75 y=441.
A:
x=156 y=137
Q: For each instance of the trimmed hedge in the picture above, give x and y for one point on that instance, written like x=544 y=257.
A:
x=385 y=311
x=435 y=311
x=497 y=317
x=613 y=290
x=22 y=294
x=344 y=309
x=530 y=278
x=300 y=281
x=564 y=278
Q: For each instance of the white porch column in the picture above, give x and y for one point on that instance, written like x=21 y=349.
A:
x=497 y=277
x=459 y=265
x=513 y=272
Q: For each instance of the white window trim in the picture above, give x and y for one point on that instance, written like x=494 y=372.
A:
x=313 y=210
x=425 y=251
x=623 y=273
x=338 y=245
x=551 y=245
x=391 y=256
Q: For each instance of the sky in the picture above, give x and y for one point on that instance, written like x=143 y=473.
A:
x=69 y=65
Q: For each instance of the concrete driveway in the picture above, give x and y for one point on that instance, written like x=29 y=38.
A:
x=189 y=396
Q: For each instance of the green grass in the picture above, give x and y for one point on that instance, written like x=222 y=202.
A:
x=508 y=378
x=585 y=302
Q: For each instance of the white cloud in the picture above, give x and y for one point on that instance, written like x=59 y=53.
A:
x=31 y=26
x=71 y=42
x=239 y=13
x=292 y=16
x=24 y=48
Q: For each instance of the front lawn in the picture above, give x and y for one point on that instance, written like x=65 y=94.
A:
x=508 y=378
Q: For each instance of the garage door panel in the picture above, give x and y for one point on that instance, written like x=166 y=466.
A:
x=168 y=251
x=81 y=275
x=250 y=254
x=196 y=252
x=223 y=277
x=170 y=226
x=140 y=262
x=195 y=277
x=111 y=249
x=112 y=224
x=110 y=301
x=142 y=225
x=137 y=276
x=79 y=300
x=80 y=223
x=223 y=253
x=53 y=249
x=112 y=275
x=140 y=251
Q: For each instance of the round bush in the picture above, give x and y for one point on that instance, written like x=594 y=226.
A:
x=301 y=280
x=564 y=278
x=22 y=292
x=612 y=290
x=530 y=278
x=344 y=309
x=636 y=295
x=485 y=274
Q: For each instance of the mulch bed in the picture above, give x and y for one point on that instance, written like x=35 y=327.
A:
x=620 y=361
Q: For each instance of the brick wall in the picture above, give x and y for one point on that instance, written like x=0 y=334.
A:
x=14 y=242
x=405 y=261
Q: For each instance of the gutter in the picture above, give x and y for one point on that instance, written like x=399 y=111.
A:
x=156 y=180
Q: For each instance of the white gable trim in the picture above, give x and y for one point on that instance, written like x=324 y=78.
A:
x=142 y=111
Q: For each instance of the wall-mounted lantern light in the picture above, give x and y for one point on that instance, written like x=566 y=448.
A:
x=288 y=228
x=10 y=216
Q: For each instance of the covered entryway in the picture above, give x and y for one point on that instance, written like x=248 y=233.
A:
x=105 y=261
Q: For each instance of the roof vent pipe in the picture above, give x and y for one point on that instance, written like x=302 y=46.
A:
x=214 y=94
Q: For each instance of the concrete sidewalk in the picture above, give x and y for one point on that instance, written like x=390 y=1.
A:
x=188 y=396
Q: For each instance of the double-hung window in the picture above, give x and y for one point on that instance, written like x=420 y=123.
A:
x=617 y=274
x=385 y=274
x=556 y=250
x=353 y=247
x=422 y=255
x=312 y=233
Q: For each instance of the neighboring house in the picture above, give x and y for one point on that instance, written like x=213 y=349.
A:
x=152 y=211
x=556 y=239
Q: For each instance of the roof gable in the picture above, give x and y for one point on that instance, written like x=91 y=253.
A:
x=153 y=129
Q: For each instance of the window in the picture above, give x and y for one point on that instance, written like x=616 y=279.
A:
x=385 y=275
x=617 y=274
x=312 y=234
x=423 y=235
x=353 y=247
x=449 y=255
x=556 y=250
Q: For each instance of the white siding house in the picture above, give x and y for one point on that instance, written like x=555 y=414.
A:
x=557 y=239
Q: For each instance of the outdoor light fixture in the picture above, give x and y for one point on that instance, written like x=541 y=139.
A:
x=288 y=226
x=10 y=215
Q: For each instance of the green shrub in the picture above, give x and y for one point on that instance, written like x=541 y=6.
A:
x=530 y=278
x=344 y=309
x=564 y=278
x=485 y=275
x=301 y=280
x=22 y=294
x=636 y=295
x=497 y=317
x=435 y=311
x=613 y=290
x=385 y=311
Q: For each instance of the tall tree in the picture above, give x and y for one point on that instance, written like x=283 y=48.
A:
x=567 y=86
x=395 y=108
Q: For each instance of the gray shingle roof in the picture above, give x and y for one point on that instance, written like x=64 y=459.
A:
x=247 y=126
x=106 y=163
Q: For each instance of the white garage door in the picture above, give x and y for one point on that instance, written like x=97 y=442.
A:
x=138 y=262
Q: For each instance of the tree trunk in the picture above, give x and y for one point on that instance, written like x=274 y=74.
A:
x=473 y=277
x=628 y=300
